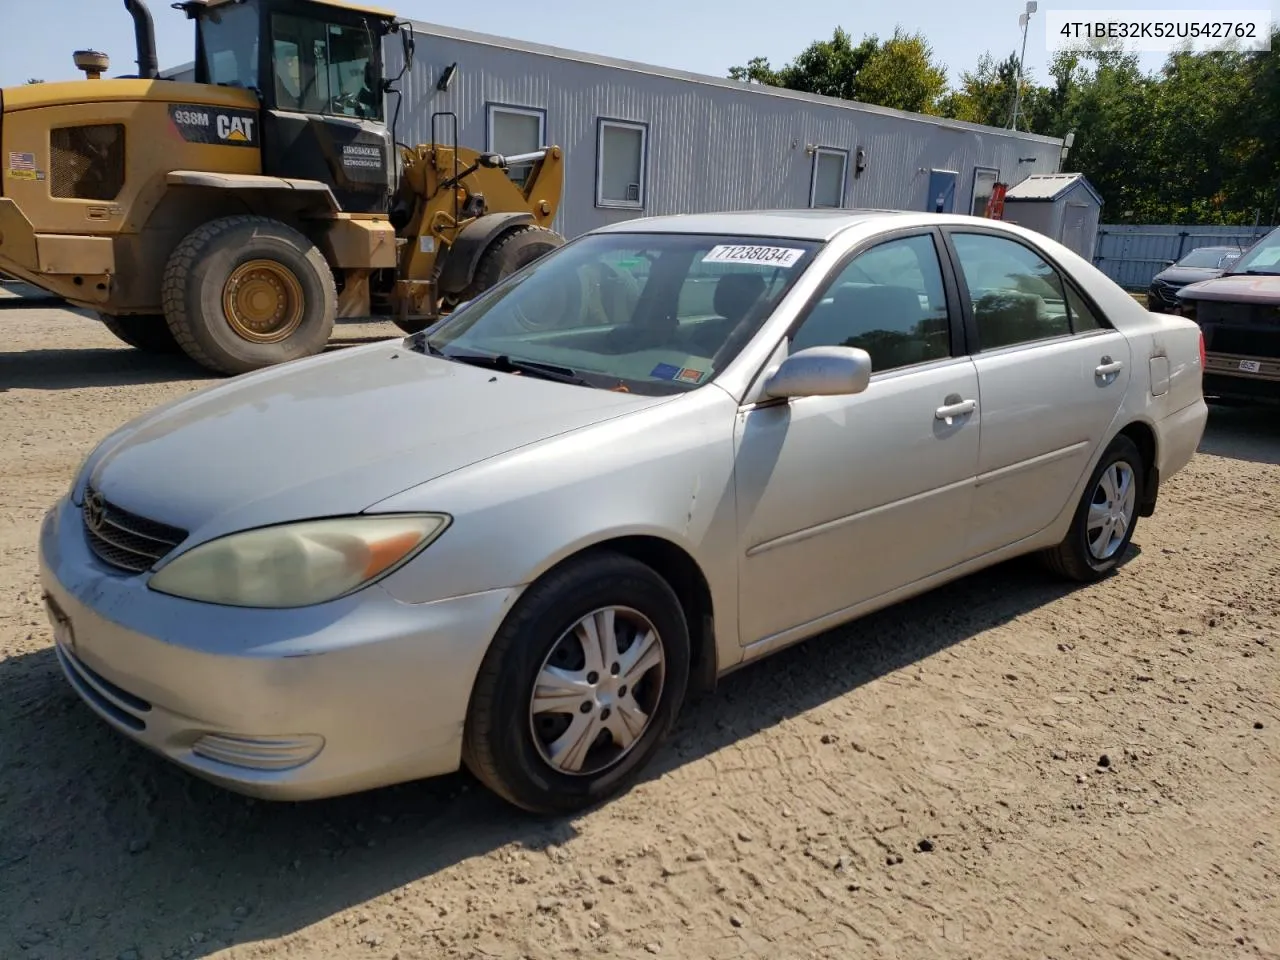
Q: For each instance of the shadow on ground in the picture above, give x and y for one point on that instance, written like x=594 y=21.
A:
x=1243 y=433
x=110 y=849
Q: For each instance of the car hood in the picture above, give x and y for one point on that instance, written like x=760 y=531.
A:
x=331 y=435
x=1187 y=274
x=1239 y=287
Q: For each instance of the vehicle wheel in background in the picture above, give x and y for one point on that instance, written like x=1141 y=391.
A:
x=246 y=292
x=146 y=332
x=580 y=686
x=1105 y=518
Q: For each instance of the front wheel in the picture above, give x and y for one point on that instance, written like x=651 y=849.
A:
x=580 y=686
x=1105 y=518
x=245 y=292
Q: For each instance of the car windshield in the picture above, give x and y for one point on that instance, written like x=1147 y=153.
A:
x=1262 y=257
x=1213 y=257
x=649 y=313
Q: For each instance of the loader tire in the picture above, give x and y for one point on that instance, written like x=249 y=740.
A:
x=509 y=253
x=245 y=292
x=146 y=332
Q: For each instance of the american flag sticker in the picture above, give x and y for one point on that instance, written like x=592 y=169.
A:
x=22 y=161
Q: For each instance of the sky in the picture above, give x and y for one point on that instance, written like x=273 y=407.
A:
x=37 y=39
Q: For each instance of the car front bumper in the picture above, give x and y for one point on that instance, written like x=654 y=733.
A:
x=281 y=704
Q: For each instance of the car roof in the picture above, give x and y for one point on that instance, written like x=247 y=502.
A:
x=792 y=224
x=798 y=224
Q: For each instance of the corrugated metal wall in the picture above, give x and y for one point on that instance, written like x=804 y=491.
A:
x=1131 y=254
x=710 y=146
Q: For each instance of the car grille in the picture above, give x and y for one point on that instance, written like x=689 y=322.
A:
x=123 y=539
x=87 y=162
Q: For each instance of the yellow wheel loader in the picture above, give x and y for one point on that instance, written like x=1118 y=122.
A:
x=237 y=217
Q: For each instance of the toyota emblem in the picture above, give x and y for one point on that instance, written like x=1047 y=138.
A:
x=95 y=509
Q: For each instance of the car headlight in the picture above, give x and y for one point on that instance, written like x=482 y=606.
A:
x=298 y=564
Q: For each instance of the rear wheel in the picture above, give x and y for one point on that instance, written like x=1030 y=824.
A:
x=581 y=684
x=509 y=253
x=1105 y=518
x=246 y=292
x=146 y=332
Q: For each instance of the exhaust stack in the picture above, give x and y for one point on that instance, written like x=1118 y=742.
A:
x=144 y=32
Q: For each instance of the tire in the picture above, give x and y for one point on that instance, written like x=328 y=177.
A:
x=510 y=252
x=146 y=332
x=245 y=260
x=1074 y=558
x=505 y=747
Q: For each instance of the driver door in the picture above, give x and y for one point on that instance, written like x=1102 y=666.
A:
x=844 y=498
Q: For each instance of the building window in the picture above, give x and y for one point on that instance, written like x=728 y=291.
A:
x=621 y=154
x=826 y=182
x=512 y=131
x=984 y=181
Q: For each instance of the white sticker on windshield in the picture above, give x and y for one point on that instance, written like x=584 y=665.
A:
x=764 y=256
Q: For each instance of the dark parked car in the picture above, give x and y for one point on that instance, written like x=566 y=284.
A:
x=1239 y=314
x=1203 y=263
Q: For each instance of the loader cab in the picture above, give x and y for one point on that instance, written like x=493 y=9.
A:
x=317 y=69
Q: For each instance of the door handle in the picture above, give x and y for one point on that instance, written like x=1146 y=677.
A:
x=955 y=408
x=1108 y=367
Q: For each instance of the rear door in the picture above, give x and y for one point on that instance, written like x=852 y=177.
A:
x=1051 y=378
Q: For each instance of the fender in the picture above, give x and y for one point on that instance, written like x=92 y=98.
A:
x=463 y=257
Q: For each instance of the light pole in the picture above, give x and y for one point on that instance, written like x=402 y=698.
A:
x=1024 y=21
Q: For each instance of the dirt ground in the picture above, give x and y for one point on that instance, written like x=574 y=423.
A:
x=1006 y=768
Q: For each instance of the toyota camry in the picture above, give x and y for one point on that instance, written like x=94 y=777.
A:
x=518 y=540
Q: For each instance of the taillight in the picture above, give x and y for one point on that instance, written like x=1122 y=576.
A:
x=1202 y=356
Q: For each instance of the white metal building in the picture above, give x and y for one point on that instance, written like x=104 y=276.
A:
x=642 y=140
x=1063 y=206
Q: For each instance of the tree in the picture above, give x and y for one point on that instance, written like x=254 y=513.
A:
x=901 y=73
x=897 y=73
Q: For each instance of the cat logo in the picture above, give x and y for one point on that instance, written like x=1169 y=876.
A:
x=235 y=129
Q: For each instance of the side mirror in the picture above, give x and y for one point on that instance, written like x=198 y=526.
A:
x=821 y=372
x=1169 y=263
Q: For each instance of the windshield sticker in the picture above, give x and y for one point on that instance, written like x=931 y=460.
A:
x=689 y=375
x=761 y=256
x=664 y=371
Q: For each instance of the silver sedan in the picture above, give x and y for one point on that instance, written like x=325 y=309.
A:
x=518 y=540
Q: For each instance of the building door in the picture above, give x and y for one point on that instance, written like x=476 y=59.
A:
x=942 y=191
x=1073 y=223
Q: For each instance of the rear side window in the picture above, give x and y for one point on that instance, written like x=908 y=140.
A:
x=1016 y=296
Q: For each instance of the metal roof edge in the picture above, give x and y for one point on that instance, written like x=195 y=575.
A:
x=1072 y=180
x=547 y=50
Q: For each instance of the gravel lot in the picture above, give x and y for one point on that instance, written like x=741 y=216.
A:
x=1006 y=768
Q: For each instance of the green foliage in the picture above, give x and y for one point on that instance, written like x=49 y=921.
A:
x=1196 y=142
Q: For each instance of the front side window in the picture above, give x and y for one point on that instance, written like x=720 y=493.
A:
x=228 y=37
x=888 y=301
x=325 y=68
x=1016 y=297
x=649 y=313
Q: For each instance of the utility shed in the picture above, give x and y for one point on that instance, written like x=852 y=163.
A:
x=1063 y=206
x=641 y=140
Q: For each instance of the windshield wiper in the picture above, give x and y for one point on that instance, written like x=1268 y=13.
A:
x=546 y=371
x=1260 y=273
